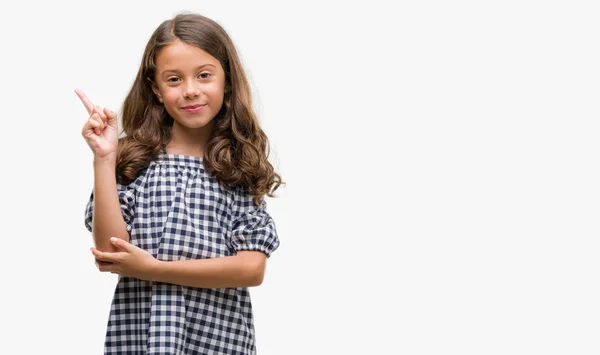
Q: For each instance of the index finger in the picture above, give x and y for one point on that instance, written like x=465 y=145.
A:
x=89 y=106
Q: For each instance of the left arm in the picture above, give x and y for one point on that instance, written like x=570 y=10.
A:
x=245 y=269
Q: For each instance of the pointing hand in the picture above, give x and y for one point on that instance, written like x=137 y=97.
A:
x=100 y=131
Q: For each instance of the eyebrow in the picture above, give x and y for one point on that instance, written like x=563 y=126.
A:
x=197 y=68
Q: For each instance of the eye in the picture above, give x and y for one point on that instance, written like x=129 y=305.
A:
x=205 y=77
x=171 y=79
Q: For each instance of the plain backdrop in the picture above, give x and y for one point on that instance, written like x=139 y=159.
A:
x=441 y=160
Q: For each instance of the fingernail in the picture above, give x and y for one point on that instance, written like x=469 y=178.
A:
x=113 y=239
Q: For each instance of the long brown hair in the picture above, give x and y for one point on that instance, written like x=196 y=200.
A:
x=237 y=153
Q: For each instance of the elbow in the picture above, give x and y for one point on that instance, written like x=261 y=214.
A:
x=252 y=265
x=258 y=274
x=257 y=278
x=102 y=242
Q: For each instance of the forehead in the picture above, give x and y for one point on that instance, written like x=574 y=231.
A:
x=181 y=56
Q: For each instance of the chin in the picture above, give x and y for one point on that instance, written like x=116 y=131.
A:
x=193 y=123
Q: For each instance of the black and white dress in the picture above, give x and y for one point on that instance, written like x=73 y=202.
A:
x=176 y=211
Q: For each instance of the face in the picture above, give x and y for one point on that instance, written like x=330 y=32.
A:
x=190 y=83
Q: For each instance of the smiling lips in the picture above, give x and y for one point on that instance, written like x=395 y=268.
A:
x=193 y=108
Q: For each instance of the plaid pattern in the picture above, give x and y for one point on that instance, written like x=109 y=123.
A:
x=176 y=211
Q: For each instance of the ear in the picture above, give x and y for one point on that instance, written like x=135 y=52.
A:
x=156 y=91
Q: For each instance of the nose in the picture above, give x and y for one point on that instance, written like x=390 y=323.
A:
x=191 y=90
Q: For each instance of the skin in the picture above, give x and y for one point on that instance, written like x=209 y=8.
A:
x=100 y=133
x=186 y=75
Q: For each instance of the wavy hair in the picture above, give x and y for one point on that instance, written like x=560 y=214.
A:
x=238 y=150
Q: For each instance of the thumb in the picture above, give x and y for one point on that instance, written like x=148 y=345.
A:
x=120 y=243
x=112 y=117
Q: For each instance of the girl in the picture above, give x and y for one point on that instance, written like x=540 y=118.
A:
x=187 y=230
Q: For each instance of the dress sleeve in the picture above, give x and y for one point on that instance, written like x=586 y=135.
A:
x=252 y=227
x=127 y=201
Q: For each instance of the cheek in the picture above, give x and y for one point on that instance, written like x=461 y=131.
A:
x=215 y=93
x=170 y=96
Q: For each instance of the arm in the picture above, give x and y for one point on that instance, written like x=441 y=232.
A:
x=101 y=134
x=107 y=219
x=245 y=269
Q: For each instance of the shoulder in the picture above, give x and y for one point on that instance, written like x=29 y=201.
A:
x=243 y=201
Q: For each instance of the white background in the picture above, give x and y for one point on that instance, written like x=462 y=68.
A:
x=441 y=160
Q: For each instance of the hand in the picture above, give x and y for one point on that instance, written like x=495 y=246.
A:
x=128 y=260
x=100 y=131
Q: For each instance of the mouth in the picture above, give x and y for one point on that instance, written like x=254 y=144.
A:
x=193 y=108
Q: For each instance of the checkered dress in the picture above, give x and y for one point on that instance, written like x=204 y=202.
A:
x=176 y=211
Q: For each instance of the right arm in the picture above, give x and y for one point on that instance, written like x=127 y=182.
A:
x=107 y=220
x=101 y=134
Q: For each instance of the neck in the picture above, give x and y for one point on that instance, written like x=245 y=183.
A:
x=189 y=141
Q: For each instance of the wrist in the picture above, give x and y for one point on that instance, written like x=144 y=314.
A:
x=155 y=270
x=110 y=160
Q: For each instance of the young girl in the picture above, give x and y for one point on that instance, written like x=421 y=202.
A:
x=187 y=229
